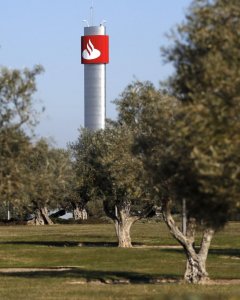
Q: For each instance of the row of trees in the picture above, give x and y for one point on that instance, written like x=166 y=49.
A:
x=33 y=175
x=167 y=145
x=179 y=144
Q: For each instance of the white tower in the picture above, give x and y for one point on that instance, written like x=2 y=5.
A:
x=95 y=56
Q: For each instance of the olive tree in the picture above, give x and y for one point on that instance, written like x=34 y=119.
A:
x=84 y=164
x=190 y=148
x=126 y=199
x=17 y=119
x=106 y=170
x=49 y=171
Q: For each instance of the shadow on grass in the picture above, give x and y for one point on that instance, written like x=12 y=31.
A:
x=215 y=251
x=93 y=276
x=61 y=243
x=66 y=243
x=228 y=252
x=218 y=251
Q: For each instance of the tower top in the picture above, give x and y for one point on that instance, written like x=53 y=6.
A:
x=91 y=22
x=91 y=13
x=95 y=30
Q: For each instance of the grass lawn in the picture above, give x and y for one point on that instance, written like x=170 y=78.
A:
x=88 y=256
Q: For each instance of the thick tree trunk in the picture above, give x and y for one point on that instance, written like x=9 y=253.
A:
x=79 y=213
x=123 y=224
x=195 y=269
x=124 y=238
x=41 y=217
x=196 y=262
x=123 y=220
x=45 y=216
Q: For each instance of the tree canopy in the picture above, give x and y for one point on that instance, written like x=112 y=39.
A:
x=205 y=53
x=17 y=113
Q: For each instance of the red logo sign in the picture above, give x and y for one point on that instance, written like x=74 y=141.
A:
x=95 y=49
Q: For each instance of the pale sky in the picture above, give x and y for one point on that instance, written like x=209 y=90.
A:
x=48 y=32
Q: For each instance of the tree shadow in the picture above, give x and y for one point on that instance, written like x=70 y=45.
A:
x=227 y=251
x=66 y=243
x=62 y=243
x=113 y=277
x=216 y=251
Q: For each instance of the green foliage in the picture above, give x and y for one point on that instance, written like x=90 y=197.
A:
x=107 y=171
x=150 y=115
x=124 y=170
x=14 y=147
x=31 y=175
x=49 y=171
x=134 y=102
x=16 y=102
x=205 y=53
x=16 y=113
x=85 y=181
x=124 y=184
x=207 y=61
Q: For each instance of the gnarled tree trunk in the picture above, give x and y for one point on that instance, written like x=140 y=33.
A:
x=123 y=220
x=79 y=212
x=40 y=217
x=123 y=226
x=196 y=261
x=195 y=269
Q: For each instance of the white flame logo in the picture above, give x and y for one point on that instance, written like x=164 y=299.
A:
x=90 y=52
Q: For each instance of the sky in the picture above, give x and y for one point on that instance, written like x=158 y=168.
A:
x=48 y=32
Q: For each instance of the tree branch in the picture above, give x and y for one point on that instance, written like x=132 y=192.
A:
x=206 y=241
x=175 y=231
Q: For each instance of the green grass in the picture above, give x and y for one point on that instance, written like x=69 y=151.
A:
x=55 y=288
x=98 y=259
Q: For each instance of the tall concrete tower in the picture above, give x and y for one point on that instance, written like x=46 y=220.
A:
x=95 y=56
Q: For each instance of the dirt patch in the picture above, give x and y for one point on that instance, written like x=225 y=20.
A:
x=223 y=282
x=114 y=244
x=158 y=247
